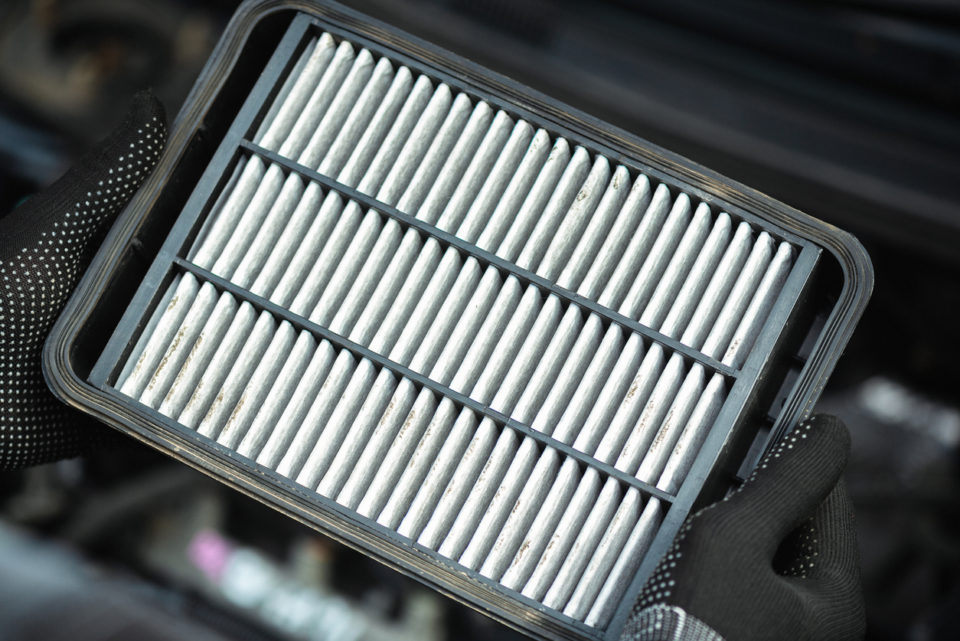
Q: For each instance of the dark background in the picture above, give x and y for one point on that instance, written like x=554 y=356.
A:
x=847 y=110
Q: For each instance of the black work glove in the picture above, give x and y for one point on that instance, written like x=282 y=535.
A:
x=777 y=559
x=45 y=245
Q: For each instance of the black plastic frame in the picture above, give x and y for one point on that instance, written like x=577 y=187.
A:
x=89 y=388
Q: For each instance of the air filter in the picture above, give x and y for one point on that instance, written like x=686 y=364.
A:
x=494 y=343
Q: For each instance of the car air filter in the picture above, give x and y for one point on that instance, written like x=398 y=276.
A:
x=482 y=337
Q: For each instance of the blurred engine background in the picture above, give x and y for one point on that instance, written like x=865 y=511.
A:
x=846 y=109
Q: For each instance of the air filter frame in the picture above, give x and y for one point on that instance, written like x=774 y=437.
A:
x=803 y=336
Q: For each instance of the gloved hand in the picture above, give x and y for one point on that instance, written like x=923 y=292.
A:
x=45 y=245
x=777 y=559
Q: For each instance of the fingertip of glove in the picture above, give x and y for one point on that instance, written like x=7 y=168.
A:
x=143 y=126
x=100 y=183
x=822 y=433
x=145 y=107
x=813 y=454
x=802 y=468
x=136 y=141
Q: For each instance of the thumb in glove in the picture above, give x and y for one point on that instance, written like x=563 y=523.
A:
x=45 y=245
x=777 y=559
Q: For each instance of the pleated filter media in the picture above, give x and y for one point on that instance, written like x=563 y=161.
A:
x=455 y=477
x=482 y=339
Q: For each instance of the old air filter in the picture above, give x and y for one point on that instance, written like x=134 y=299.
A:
x=484 y=338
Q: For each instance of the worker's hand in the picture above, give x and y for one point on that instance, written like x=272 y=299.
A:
x=45 y=245
x=777 y=559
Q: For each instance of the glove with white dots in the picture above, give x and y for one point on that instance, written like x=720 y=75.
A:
x=45 y=245
x=777 y=559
